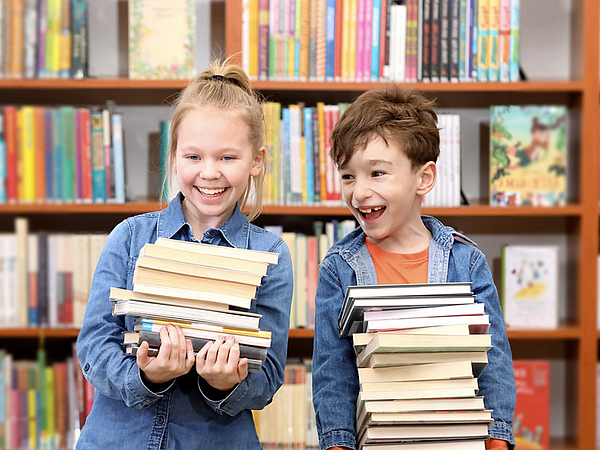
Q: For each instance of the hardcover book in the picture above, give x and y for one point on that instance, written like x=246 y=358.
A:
x=531 y=426
x=530 y=276
x=528 y=155
x=162 y=37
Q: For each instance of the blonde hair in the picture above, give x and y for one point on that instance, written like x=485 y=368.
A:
x=224 y=86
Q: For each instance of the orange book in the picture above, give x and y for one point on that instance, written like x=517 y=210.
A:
x=11 y=137
x=531 y=425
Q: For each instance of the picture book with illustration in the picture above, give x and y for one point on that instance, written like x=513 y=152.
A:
x=528 y=155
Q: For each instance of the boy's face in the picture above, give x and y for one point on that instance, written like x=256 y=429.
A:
x=383 y=192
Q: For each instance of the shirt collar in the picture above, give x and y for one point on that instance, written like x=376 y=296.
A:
x=173 y=224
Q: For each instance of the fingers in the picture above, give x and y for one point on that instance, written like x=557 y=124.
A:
x=220 y=356
x=142 y=357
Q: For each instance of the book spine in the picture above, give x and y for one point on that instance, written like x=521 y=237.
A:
x=384 y=39
x=315 y=146
x=514 y=41
x=463 y=41
x=68 y=150
x=10 y=133
x=273 y=37
x=330 y=40
x=27 y=148
x=108 y=160
x=473 y=10
x=483 y=23
x=78 y=155
x=435 y=41
x=454 y=39
x=3 y=198
x=304 y=40
x=49 y=149
x=321 y=39
x=252 y=42
x=42 y=29
x=368 y=47
x=64 y=70
x=39 y=118
x=309 y=156
x=118 y=152
x=79 y=36
x=494 y=41
x=86 y=157
x=338 y=39
x=30 y=37
x=98 y=173
x=263 y=39
x=444 y=53
x=360 y=40
x=375 y=40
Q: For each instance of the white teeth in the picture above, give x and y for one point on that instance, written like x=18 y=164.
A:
x=211 y=191
x=367 y=211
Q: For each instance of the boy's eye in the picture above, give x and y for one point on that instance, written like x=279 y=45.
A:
x=346 y=176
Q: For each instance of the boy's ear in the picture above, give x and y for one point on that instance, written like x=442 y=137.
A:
x=427 y=179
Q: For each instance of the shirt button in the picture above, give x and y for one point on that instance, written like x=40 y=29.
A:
x=86 y=367
x=161 y=420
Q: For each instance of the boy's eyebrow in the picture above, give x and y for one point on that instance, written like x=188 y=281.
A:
x=374 y=162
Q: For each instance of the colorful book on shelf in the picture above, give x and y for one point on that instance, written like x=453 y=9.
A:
x=514 y=51
x=528 y=155
x=531 y=425
x=530 y=285
x=162 y=39
x=97 y=153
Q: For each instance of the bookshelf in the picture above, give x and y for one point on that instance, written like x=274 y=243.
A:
x=577 y=225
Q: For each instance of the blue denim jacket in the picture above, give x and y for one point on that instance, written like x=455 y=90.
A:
x=452 y=257
x=125 y=413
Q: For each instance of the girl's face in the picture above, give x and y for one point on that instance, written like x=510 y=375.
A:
x=214 y=161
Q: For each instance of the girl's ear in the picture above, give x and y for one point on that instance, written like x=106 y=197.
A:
x=258 y=162
x=428 y=174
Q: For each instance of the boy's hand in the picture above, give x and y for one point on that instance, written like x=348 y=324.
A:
x=220 y=365
x=175 y=357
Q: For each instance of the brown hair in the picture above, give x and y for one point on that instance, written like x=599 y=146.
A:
x=225 y=86
x=403 y=116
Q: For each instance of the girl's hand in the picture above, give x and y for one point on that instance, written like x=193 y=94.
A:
x=175 y=357
x=219 y=364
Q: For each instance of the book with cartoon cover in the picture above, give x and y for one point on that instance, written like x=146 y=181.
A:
x=528 y=155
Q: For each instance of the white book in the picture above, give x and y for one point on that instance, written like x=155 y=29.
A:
x=530 y=285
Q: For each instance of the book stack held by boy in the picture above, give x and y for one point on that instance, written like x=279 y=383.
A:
x=206 y=290
x=419 y=351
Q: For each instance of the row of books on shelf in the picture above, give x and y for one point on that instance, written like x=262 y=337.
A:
x=64 y=154
x=43 y=38
x=381 y=40
x=46 y=277
x=44 y=403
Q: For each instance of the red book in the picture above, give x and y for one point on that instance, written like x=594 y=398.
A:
x=383 y=41
x=86 y=157
x=39 y=119
x=10 y=134
x=531 y=425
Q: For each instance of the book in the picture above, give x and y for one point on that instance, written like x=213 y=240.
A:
x=162 y=39
x=409 y=433
x=254 y=365
x=531 y=425
x=256 y=339
x=153 y=339
x=478 y=359
x=446 y=417
x=528 y=155
x=352 y=313
x=428 y=311
x=158 y=310
x=124 y=294
x=530 y=285
x=394 y=343
x=178 y=281
x=478 y=324
x=477 y=444
x=410 y=385
x=198 y=270
x=414 y=372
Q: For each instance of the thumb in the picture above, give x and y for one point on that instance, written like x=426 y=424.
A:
x=142 y=357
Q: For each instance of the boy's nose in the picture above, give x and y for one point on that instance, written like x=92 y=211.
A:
x=362 y=190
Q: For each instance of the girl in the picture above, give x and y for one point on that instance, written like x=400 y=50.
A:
x=173 y=401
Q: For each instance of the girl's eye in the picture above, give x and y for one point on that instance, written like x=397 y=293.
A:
x=194 y=157
x=227 y=158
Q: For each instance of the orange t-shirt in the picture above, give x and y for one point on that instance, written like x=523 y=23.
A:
x=399 y=268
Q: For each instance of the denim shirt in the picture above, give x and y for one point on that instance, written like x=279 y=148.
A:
x=452 y=258
x=128 y=415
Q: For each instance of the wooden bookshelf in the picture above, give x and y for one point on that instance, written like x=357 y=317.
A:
x=581 y=93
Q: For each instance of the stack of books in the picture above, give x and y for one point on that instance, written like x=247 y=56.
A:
x=204 y=289
x=420 y=349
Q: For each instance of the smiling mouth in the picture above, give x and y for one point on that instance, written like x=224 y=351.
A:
x=371 y=213
x=211 y=192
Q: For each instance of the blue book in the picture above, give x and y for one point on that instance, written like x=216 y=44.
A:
x=287 y=174
x=98 y=164
x=330 y=40
x=375 y=37
x=163 y=187
x=119 y=163
x=309 y=156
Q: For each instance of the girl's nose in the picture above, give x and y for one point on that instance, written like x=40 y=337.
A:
x=209 y=170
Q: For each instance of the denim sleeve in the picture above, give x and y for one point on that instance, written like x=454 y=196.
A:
x=497 y=381
x=273 y=301
x=103 y=361
x=335 y=377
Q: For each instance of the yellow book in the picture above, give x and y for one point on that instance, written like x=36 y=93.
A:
x=345 y=41
x=304 y=39
x=483 y=29
x=276 y=152
x=28 y=177
x=268 y=140
x=53 y=37
x=64 y=70
x=494 y=41
x=252 y=6
x=352 y=44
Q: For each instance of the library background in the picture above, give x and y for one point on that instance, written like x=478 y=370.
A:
x=84 y=112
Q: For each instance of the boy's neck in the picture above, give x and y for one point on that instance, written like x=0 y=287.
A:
x=414 y=238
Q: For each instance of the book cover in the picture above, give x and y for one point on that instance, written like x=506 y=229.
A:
x=531 y=425
x=528 y=155
x=97 y=153
x=162 y=37
x=79 y=36
x=530 y=282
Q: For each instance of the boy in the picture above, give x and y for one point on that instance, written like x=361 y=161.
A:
x=385 y=147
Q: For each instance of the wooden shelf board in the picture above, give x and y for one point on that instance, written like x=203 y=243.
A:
x=301 y=210
x=565 y=332
x=125 y=83
x=32 y=332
